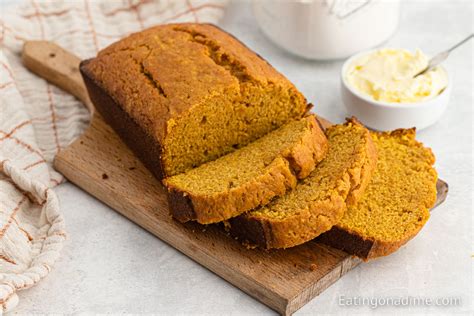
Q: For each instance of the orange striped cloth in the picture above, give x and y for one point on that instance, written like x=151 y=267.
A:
x=37 y=119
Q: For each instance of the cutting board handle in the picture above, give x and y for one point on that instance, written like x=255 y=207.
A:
x=58 y=66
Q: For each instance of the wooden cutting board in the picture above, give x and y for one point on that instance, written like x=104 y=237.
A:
x=102 y=165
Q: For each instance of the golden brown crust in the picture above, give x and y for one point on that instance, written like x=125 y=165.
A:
x=164 y=80
x=364 y=247
x=361 y=180
x=306 y=154
x=279 y=176
x=315 y=217
x=143 y=145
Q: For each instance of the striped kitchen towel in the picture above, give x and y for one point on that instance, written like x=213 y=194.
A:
x=37 y=119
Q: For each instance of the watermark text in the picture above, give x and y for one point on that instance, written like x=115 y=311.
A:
x=401 y=301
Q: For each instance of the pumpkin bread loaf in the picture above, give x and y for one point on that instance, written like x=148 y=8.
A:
x=319 y=201
x=396 y=203
x=181 y=95
x=248 y=177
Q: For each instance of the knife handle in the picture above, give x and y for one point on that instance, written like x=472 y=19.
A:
x=58 y=66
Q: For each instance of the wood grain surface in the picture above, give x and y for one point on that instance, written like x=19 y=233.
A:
x=99 y=163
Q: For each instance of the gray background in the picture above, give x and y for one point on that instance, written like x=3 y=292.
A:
x=110 y=265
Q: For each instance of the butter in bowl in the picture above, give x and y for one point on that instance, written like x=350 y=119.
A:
x=381 y=87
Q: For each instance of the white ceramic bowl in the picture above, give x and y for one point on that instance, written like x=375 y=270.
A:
x=389 y=116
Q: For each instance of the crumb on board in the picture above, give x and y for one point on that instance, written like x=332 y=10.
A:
x=105 y=176
x=313 y=267
x=250 y=246
x=226 y=226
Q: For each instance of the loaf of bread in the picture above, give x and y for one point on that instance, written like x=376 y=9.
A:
x=396 y=203
x=248 y=177
x=181 y=95
x=319 y=201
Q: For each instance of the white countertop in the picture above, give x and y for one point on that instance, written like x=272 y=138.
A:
x=111 y=265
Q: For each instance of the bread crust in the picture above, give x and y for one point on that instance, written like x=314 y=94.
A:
x=296 y=162
x=364 y=248
x=310 y=222
x=143 y=145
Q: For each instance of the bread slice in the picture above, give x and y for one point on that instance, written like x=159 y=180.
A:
x=250 y=176
x=395 y=205
x=319 y=201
